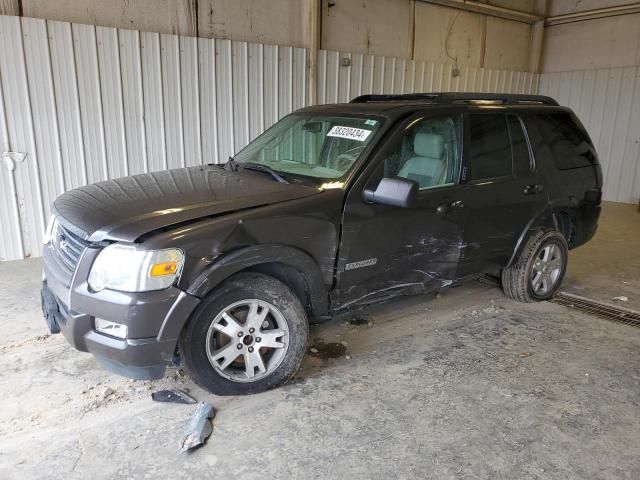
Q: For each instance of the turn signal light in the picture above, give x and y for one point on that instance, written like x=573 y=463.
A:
x=162 y=269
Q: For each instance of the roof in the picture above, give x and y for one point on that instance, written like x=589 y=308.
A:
x=398 y=105
x=461 y=97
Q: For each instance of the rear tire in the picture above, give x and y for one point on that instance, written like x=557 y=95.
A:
x=539 y=270
x=247 y=337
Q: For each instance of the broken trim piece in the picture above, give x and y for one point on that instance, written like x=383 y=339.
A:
x=199 y=427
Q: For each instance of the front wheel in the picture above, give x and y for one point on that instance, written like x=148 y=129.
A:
x=249 y=336
x=539 y=270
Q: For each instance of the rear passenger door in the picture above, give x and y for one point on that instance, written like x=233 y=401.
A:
x=503 y=190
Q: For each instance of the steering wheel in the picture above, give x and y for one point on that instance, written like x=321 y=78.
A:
x=345 y=160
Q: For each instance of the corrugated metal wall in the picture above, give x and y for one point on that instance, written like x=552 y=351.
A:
x=374 y=74
x=90 y=103
x=607 y=101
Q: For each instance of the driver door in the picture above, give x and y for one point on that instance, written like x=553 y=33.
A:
x=388 y=251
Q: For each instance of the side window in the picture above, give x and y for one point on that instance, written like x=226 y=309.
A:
x=569 y=144
x=522 y=161
x=428 y=152
x=490 y=146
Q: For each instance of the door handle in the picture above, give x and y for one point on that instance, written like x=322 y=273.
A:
x=533 y=189
x=444 y=208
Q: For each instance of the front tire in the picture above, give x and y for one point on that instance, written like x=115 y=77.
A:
x=249 y=336
x=538 y=272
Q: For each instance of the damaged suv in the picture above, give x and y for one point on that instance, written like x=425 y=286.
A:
x=221 y=268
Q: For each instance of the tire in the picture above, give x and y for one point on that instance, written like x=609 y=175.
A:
x=230 y=329
x=524 y=280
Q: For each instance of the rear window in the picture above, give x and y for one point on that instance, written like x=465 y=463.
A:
x=569 y=144
x=490 y=146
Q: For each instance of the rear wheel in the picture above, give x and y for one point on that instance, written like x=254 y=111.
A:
x=539 y=270
x=248 y=337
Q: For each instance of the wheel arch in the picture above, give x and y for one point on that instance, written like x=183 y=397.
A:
x=292 y=266
x=560 y=218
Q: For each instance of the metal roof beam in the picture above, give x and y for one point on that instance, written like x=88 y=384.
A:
x=491 y=10
x=593 y=14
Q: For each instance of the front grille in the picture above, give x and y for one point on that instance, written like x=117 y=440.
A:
x=67 y=247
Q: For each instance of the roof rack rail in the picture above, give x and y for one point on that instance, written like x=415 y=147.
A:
x=460 y=97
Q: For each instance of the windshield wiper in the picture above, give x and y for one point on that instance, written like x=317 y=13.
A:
x=259 y=167
x=231 y=165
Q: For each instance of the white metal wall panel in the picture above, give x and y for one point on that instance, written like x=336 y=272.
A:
x=20 y=129
x=90 y=100
x=190 y=86
x=10 y=230
x=172 y=100
x=208 y=100
x=112 y=102
x=225 y=94
x=240 y=99
x=256 y=90
x=153 y=101
x=132 y=101
x=69 y=128
x=44 y=112
x=607 y=101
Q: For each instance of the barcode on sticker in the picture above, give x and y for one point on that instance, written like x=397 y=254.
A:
x=349 y=132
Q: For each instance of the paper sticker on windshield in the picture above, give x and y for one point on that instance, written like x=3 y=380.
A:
x=349 y=132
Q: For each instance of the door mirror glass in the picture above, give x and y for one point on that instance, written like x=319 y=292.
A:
x=396 y=192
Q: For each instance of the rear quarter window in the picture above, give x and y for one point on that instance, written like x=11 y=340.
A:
x=568 y=143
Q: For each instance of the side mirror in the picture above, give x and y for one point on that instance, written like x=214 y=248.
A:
x=397 y=192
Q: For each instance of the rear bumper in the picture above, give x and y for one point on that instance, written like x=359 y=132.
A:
x=587 y=224
x=153 y=319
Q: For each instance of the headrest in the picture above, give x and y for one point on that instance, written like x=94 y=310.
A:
x=428 y=145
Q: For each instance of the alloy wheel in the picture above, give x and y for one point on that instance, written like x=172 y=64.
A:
x=546 y=269
x=247 y=340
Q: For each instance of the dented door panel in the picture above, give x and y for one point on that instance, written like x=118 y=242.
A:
x=388 y=251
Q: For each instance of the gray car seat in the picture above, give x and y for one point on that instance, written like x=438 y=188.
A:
x=427 y=167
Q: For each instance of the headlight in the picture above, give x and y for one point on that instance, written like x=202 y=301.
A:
x=127 y=269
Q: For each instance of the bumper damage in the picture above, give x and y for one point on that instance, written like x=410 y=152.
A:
x=161 y=314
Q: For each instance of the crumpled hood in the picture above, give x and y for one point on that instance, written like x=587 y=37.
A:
x=126 y=208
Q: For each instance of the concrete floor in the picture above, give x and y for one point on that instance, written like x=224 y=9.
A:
x=466 y=385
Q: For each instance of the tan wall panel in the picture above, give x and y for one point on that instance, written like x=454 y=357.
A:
x=163 y=16
x=377 y=27
x=508 y=44
x=9 y=7
x=434 y=24
x=602 y=43
x=274 y=21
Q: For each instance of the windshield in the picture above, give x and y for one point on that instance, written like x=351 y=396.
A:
x=320 y=146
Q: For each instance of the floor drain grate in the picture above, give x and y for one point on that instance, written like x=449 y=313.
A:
x=610 y=312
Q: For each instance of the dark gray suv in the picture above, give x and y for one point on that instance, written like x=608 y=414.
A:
x=221 y=267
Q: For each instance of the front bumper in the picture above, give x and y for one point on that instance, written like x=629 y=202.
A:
x=154 y=320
